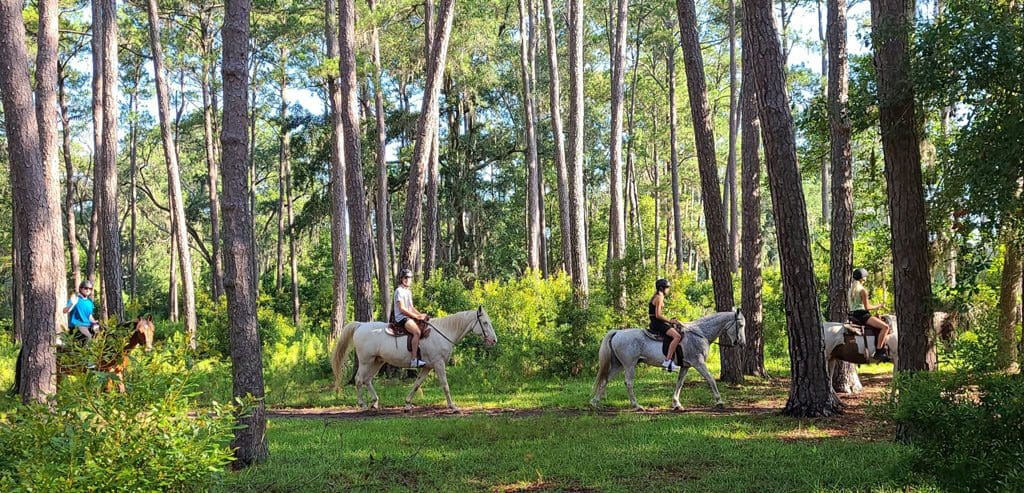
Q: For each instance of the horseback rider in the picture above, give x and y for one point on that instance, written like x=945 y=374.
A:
x=80 y=306
x=860 y=313
x=407 y=315
x=660 y=324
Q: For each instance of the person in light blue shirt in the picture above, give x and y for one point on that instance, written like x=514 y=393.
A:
x=80 y=307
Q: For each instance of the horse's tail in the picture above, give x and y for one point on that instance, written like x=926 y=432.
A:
x=341 y=349
x=606 y=357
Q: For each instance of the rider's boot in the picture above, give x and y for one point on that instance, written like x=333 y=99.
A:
x=668 y=365
x=882 y=354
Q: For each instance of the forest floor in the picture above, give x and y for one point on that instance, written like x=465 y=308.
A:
x=562 y=445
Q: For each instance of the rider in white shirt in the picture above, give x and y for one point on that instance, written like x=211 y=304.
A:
x=407 y=315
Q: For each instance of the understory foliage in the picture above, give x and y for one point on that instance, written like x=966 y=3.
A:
x=155 y=437
x=967 y=429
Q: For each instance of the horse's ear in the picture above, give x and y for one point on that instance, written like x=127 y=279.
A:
x=149 y=317
x=480 y=310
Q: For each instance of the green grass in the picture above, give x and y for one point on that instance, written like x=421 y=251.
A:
x=552 y=452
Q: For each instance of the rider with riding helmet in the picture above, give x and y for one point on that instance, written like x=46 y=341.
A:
x=406 y=314
x=860 y=313
x=81 y=322
x=663 y=325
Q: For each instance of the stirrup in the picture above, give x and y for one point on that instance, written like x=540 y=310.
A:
x=417 y=363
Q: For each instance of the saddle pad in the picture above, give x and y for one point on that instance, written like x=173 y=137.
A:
x=856 y=349
x=665 y=341
x=395 y=329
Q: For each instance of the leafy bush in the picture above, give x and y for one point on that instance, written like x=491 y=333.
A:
x=966 y=430
x=976 y=351
x=213 y=328
x=153 y=438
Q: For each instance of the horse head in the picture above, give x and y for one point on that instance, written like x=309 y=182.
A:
x=736 y=332
x=144 y=329
x=482 y=327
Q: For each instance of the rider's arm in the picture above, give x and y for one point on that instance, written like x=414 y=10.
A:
x=659 y=303
x=867 y=304
x=71 y=303
x=410 y=311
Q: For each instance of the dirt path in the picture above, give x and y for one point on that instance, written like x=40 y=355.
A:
x=854 y=422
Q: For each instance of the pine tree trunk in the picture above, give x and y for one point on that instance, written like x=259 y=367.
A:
x=718 y=239
x=1009 y=314
x=730 y=173
x=209 y=107
x=527 y=31
x=433 y=166
x=339 y=208
x=173 y=176
x=249 y=444
x=358 y=219
x=810 y=392
x=631 y=178
x=891 y=24
x=845 y=378
x=35 y=190
x=106 y=169
x=69 y=183
x=97 y=138
x=172 y=276
x=281 y=177
x=616 y=214
x=751 y=280
x=673 y=123
x=133 y=155
x=577 y=199
x=825 y=175
x=425 y=125
x=555 y=97
x=383 y=249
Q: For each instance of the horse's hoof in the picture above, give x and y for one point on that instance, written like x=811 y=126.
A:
x=454 y=410
x=595 y=404
x=375 y=407
x=407 y=408
x=639 y=409
x=719 y=407
x=677 y=407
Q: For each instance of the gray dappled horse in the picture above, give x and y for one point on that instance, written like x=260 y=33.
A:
x=375 y=348
x=622 y=349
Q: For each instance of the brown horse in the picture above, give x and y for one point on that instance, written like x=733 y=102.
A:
x=115 y=364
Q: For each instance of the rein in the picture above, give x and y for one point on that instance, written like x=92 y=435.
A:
x=478 y=322
x=735 y=320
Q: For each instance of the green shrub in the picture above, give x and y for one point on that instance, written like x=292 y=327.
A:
x=967 y=431
x=976 y=351
x=153 y=438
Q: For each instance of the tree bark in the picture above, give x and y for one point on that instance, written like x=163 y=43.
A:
x=358 y=219
x=751 y=280
x=616 y=213
x=282 y=175
x=411 y=224
x=433 y=166
x=173 y=176
x=845 y=378
x=673 y=123
x=35 y=190
x=527 y=31
x=730 y=173
x=133 y=136
x=704 y=139
x=339 y=243
x=891 y=24
x=209 y=107
x=810 y=392
x=97 y=137
x=1009 y=314
x=69 y=183
x=555 y=99
x=106 y=170
x=826 y=74
x=250 y=442
x=577 y=200
x=383 y=257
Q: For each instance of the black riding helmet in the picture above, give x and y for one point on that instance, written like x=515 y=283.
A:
x=661 y=284
x=403 y=274
x=859 y=274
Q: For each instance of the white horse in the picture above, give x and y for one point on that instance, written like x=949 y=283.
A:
x=832 y=337
x=622 y=349
x=374 y=348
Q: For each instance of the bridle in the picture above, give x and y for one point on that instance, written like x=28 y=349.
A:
x=735 y=323
x=479 y=322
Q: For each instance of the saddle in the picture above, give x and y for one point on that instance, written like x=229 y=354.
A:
x=397 y=329
x=858 y=345
x=665 y=341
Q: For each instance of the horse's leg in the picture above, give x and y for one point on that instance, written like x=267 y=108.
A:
x=630 y=371
x=374 y=367
x=442 y=377
x=416 y=386
x=702 y=368
x=679 y=386
x=360 y=378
